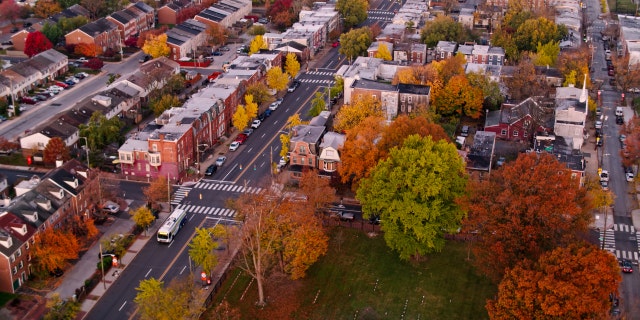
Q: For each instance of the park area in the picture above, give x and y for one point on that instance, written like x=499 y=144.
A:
x=361 y=278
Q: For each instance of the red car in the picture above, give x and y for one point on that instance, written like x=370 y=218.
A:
x=241 y=138
x=27 y=100
x=336 y=44
x=61 y=84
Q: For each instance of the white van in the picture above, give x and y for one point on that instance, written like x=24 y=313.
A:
x=619 y=112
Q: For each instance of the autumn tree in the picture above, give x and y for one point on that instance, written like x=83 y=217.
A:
x=383 y=52
x=82 y=228
x=69 y=24
x=355 y=42
x=631 y=152
x=166 y=102
x=95 y=7
x=8 y=146
x=201 y=250
x=360 y=153
x=240 y=118
x=157 y=191
x=443 y=28
x=317 y=189
x=257 y=44
x=415 y=192
x=354 y=12
x=56 y=149
x=524 y=83
x=576 y=61
x=146 y=35
x=524 y=209
x=94 y=64
x=292 y=66
x=534 y=31
x=250 y=106
x=276 y=79
x=179 y=300
x=404 y=126
x=318 y=104
x=57 y=308
x=35 y=43
x=156 y=46
x=257 y=30
x=259 y=91
x=550 y=288
x=547 y=54
x=449 y=68
x=87 y=49
x=52 y=31
x=101 y=131
x=284 y=142
x=459 y=98
x=421 y=75
x=46 y=8
x=490 y=89
x=9 y=11
x=627 y=76
x=142 y=217
x=282 y=13
x=360 y=108
x=54 y=248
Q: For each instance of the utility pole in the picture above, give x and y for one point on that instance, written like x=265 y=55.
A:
x=169 y=191
x=102 y=266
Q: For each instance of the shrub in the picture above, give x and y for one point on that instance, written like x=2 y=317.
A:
x=94 y=64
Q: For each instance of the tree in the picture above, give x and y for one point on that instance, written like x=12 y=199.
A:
x=240 y=118
x=53 y=248
x=284 y=141
x=151 y=298
x=46 y=8
x=201 y=250
x=292 y=66
x=166 y=102
x=82 y=228
x=257 y=30
x=449 y=68
x=627 y=76
x=101 y=131
x=69 y=24
x=414 y=192
x=355 y=42
x=360 y=153
x=58 y=309
x=317 y=189
x=534 y=31
x=87 y=49
x=459 y=98
x=9 y=11
x=551 y=289
x=354 y=12
x=259 y=91
x=490 y=89
x=404 y=126
x=631 y=152
x=360 y=108
x=36 y=42
x=146 y=35
x=157 y=191
x=52 y=31
x=93 y=6
x=547 y=54
x=442 y=28
x=55 y=150
x=94 y=64
x=142 y=217
x=251 y=107
x=318 y=103
x=527 y=207
x=421 y=75
x=256 y=44
x=156 y=46
x=383 y=52
x=523 y=83
x=276 y=79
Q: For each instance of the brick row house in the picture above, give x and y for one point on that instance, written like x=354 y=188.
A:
x=473 y=53
x=225 y=13
x=41 y=203
x=173 y=12
x=521 y=121
x=103 y=33
x=184 y=39
x=134 y=19
x=23 y=76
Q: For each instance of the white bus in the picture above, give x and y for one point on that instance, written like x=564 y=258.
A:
x=172 y=225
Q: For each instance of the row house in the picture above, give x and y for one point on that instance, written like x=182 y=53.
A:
x=571 y=115
x=473 y=53
x=394 y=99
x=301 y=51
x=410 y=53
x=373 y=49
x=562 y=149
x=318 y=34
x=521 y=121
x=225 y=13
x=330 y=146
x=258 y=61
x=21 y=77
x=153 y=75
x=134 y=19
x=16 y=244
x=324 y=14
x=366 y=68
x=20 y=38
x=304 y=146
x=184 y=39
x=305 y=38
x=102 y=33
x=394 y=33
x=480 y=153
x=174 y=12
x=629 y=38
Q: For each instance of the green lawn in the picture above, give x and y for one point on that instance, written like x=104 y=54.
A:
x=622 y=6
x=360 y=278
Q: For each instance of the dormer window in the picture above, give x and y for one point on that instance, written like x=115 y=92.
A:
x=32 y=216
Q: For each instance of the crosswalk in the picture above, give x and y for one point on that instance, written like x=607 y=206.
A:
x=226 y=187
x=180 y=194
x=324 y=81
x=610 y=241
x=209 y=211
x=623 y=228
x=381 y=12
x=321 y=73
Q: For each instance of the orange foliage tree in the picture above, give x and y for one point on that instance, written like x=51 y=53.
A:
x=524 y=209
x=317 y=189
x=459 y=98
x=157 y=191
x=566 y=283
x=404 y=126
x=83 y=229
x=87 y=50
x=631 y=151
x=360 y=153
x=53 y=248
x=56 y=149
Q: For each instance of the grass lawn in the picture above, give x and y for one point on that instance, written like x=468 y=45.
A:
x=622 y=6
x=360 y=278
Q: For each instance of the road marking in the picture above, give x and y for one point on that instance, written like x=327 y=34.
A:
x=183 y=268
x=146 y=275
x=263 y=135
x=249 y=150
x=122 y=306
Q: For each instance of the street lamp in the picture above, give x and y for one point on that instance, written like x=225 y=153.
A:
x=13 y=98
x=86 y=149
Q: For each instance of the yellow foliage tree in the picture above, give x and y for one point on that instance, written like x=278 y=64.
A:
x=351 y=115
x=251 y=108
x=276 y=79
x=284 y=151
x=156 y=46
x=240 y=118
x=383 y=52
x=142 y=217
x=293 y=121
x=46 y=8
x=292 y=66
x=256 y=44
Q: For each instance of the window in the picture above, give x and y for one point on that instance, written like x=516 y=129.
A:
x=12 y=258
x=310 y=161
x=18 y=253
x=503 y=132
x=515 y=133
x=402 y=98
x=15 y=270
x=20 y=265
x=374 y=97
x=409 y=98
x=26 y=245
x=525 y=134
x=303 y=160
x=302 y=149
x=154 y=147
x=295 y=160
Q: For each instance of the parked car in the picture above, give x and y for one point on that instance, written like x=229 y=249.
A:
x=81 y=75
x=234 y=146
x=598 y=112
x=144 y=58
x=629 y=176
x=211 y=170
x=604 y=175
x=619 y=120
x=73 y=79
x=274 y=105
x=604 y=185
x=263 y=20
x=293 y=86
x=224 y=48
x=61 y=84
x=598 y=124
x=282 y=162
x=82 y=60
x=267 y=113
x=43 y=97
x=217 y=53
x=241 y=138
x=345 y=216
x=626 y=266
x=221 y=160
x=256 y=124
x=111 y=207
x=247 y=132
x=7 y=43
x=28 y=100
x=335 y=44
x=69 y=83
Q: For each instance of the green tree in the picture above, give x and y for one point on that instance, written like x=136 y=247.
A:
x=250 y=107
x=415 y=193
x=69 y=24
x=256 y=44
x=490 y=89
x=101 y=131
x=534 y=31
x=547 y=54
x=442 y=28
x=383 y=51
x=58 y=309
x=142 y=217
x=166 y=102
x=240 y=118
x=292 y=66
x=317 y=104
x=201 y=250
x=52 y=32
x=151 y=298
x=354 y=12
x=338 y=87
x=276 y=79
x=257 y=30
x=355 y=42
x=259 y=91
